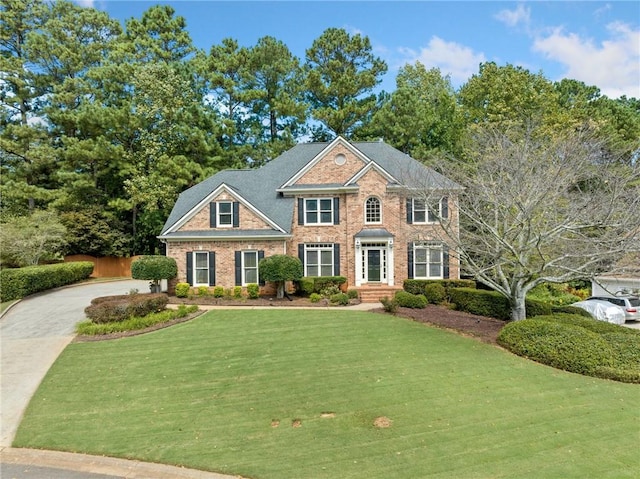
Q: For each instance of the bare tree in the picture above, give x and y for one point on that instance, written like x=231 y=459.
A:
x=536 y=210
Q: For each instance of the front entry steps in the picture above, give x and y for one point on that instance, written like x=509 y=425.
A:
x=374 y=293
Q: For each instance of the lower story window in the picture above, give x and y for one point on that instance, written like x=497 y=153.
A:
x=201 y=268
x=318 y=259
x=249 y=267
x=427 y=261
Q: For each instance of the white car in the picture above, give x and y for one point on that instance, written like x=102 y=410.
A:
x=602 y=310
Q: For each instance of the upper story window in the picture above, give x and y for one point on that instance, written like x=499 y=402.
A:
x=372 y=210
x=225 y=213
x=318 y=211
x=420 y=213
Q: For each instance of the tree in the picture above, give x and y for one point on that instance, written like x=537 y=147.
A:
x=280 y=268
x=341 y=74
x=421 y=117
x=155 y=268
x=535 y=211
x=26 y=240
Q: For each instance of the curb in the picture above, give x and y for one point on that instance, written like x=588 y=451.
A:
x=121 y=468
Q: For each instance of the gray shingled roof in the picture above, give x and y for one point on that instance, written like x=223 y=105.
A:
x=258 y=186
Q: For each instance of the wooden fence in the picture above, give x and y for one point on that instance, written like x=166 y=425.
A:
x=106 y=267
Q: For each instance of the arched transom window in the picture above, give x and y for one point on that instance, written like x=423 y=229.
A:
x=372 y=210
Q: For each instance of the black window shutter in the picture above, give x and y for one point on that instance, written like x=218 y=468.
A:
x=301 y=254
x=336 y=211
x=445 y=262
x=300 y=211
x=212 y=215
x=410 y=260
x=236 y=214
x=336 y=259
x=445 y=207
x=409 y=211
x=212 y=268
x=190 y=268
x=238 y=257
x=260 y=256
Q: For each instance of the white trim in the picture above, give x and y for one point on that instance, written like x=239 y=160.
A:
x=387 y=253
x=316 y=159
x=223 y=188
x=204 y=237
x=374 y=197
x=243 y=268
x=195 y=268
x=366 y=169
x=318 y=248
x=319 y=190
x=218 y=224
x=318 y=211
x=428 y=246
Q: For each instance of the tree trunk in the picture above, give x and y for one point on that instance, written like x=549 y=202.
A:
x=518 y=306
x=280 y=289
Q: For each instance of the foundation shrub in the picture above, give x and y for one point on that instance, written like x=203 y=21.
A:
x=389 y=305
x=218 y=292
x=408 y=300
x=353 y=294
x=435 y=293
x=491 y=303
x=237 y=292
x=253 y=291
x=315 y=297
x=182 y=290
x=417 y=286
x=339 y=298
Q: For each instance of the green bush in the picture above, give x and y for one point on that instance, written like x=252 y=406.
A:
x=352 y=293
x=389 y=305
x=562 y=346
x=110 y=309
x=600 y=327
x=20 y=282
x=491 y=304
x=408 y=300
x=315 y=297
x=435 y=293
x=318 y=284
x=417 y=286
x=91 y=329
x=339 y=298
x=553 y=293
x=626 y=350
x=218 y=291
x=182 y=290
x=237 y=292
x=570 y=310
x=305 y=286
x=253 y=291
x=203 y=291
x=154 y=268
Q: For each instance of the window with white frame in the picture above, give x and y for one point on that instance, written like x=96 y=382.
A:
x=318 y=259
x=422 y=213
x=318 y=211
x=427 y=261
x=225 y=213
x=372 y=210
x=200 y=268
x=249 y=267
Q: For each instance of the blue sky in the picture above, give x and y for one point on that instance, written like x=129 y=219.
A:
x=594 y=42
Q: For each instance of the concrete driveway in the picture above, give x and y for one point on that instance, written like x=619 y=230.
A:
x=32 y=335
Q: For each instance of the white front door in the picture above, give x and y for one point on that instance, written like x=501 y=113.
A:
x=374 y=263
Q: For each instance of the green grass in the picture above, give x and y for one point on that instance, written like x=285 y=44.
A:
x=204 y=394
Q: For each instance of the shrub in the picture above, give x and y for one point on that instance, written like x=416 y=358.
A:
x=132 y=324
x=435 y=293
x=203 y=291
x=154 y=268
x=280 y=268
x=253 y=291
x=491 y=304
x=330 y=290
x=320 y=284
x=600 y=327
x=218 y=292
x=389 y=305
x=182 y=290
x=20 y=282
x=417 y=286
x=562 y=346
x=305 y=286
x=571 y=310
x=109 y=309
x=339 y=298
x=352 y=293
x=237 y=292
x=408 y=300
x=626 y=350
x=315 y=297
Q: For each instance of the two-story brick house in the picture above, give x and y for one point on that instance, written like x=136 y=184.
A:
x=357 y=210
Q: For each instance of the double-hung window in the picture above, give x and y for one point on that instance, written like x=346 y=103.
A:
x=318 y=259
x=225 y=213
x=201 y=268
x=427 y=261
x=318 y=211
x=249 y=267
x=418 y=211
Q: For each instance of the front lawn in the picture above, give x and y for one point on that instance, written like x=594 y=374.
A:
x=287 y=394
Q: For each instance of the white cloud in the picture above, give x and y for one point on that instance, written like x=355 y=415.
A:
x=453 y=59
x=512 y=18
x=613 y=65
x=86 y=3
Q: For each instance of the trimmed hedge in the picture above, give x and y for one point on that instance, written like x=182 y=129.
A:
x=435 y=293
x=577 y=344
x=113 y=309
x=561 y=346
x=492 y=304
x=571 y=310
x=20 y=282
x=315 y=284
x=408 y=300
x=417 y=286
